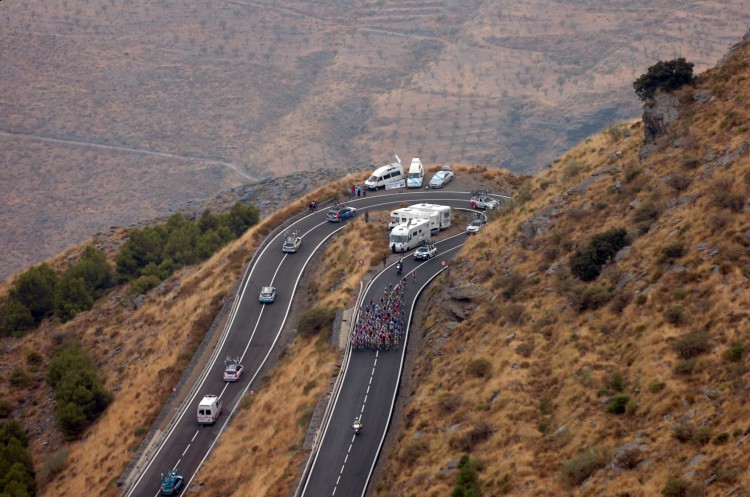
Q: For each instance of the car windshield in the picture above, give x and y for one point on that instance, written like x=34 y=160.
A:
x=333 y=212
x=399 y=239
x=231 y=368
x=373 y=179
x=414 y=175
x=440 y=175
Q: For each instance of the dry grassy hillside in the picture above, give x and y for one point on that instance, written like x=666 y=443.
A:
x=633 y=384
x=116 y=111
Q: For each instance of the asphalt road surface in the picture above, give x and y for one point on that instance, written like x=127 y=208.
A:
x=251 y=333
x=344 y=461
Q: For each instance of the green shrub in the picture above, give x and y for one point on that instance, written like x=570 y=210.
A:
x=581 y=467
x=671 y=252
x=589 y=297
x=692 y=344
x=734 y=201
x=685 y=366
x=467 y=480
x=675 y=315
x=35 y=290
x=94 y=269
x=656 y=386
x=5 y=407
x=19 y=378
x=679 y=181
x=701 y=436
x=618 y=404
x=737 y=351
x=683 y=432
x=545 y=407
x=586 y=262
x=664 y=75
x=144 y=283
x=479 y=368
x=15 y=318
x=645 y=215
x=16 y=466
x=71 y=297
x=571 y=169
x=316 y=321
x=721 y=438
x=79 y=392
x=679 y=293
x=677 y=487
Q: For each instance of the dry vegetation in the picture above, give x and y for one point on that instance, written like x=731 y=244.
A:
x=120 y=110
x=626 y=382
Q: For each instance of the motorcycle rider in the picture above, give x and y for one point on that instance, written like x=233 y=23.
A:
x=357 y=425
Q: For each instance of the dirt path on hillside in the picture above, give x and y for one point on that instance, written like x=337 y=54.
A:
x=142 y=151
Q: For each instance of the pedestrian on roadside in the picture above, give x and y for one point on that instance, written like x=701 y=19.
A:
x=367 y=216
x=385 y=260
x=352 y=194
x=358 y=191
x=364 y=191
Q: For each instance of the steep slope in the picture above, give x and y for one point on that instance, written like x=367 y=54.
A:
x=634 y=383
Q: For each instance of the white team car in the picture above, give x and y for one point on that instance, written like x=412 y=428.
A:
x=475 y=225
x=425 y=252
x=292 y=242
x=267 y=295
x=232 y=372
x=484 y=202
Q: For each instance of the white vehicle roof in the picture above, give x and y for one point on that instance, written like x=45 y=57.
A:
x=208 y=400
x=384 y=169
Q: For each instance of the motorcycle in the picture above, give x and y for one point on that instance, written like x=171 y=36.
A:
x=357 y=426
x=399 y=268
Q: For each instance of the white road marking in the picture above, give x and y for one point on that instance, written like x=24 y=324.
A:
x=196 y=434
x=185 y=451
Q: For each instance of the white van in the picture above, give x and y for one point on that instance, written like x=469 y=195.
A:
x=386 y=175
x=406 y=214
x=209 y=409
x=405 y=237
x=416 y=174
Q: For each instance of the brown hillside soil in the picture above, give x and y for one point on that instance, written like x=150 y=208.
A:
x=114 y=112
x=613 y=386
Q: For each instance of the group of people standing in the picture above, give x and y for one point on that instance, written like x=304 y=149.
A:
x=357 y=191
x=381 y=325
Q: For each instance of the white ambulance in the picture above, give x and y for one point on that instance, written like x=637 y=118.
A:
x=209 y=410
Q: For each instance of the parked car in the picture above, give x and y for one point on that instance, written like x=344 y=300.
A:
x=338 y=215
x=171 y=482
x=442 y=178
x=292 y=242
x=484 y=202
x=233 y=371
x=267 y=295
x=425 y=252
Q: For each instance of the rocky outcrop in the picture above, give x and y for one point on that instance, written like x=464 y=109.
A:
x=658 y=115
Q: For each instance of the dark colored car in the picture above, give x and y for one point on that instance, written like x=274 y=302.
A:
x=338 y=215
x=171 y=482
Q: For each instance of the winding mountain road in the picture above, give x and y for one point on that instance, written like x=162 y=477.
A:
x=255 y=328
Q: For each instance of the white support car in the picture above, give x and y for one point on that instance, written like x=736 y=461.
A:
x=425 y=252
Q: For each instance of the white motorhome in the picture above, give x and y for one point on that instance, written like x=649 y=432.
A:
x=445 y=213
x=416 y=174
x=209 y=409
x=405 y=237
x=406 y=214
x=384 y=176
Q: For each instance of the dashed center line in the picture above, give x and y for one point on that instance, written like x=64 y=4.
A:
x=361 y=412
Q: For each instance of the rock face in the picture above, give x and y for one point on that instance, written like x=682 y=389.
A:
x=658 y=114
x=467 y=292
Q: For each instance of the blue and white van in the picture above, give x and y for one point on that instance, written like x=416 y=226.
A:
x=416 y=174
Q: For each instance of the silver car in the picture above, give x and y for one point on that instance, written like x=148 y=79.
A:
x=442 y=178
